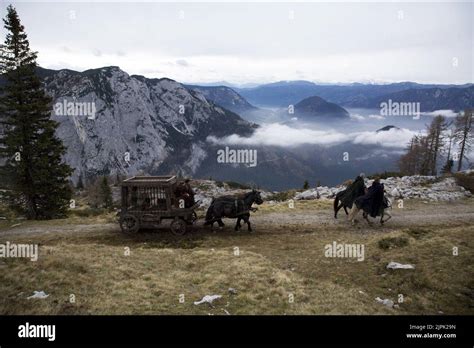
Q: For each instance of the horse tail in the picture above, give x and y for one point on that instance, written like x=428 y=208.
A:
x=336 y=202
x=210 y=213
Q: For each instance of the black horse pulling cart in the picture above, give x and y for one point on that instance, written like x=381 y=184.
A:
x=148 y=200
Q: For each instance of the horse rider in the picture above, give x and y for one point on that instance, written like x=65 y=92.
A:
x=354 y=190
x=185 y=192
x=371 y=202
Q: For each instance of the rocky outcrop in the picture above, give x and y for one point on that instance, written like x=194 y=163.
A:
x=427 y=188
x=206 y=190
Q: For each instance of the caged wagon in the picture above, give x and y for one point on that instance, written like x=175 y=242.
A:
x=148 y=200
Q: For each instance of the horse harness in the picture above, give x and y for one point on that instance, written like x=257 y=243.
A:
x=236 y=203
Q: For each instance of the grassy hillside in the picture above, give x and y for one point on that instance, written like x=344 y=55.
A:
x=281 y=261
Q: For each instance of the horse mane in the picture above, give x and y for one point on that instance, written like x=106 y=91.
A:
x=246 y=195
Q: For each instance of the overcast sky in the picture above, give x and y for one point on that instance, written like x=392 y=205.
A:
x=257 y=42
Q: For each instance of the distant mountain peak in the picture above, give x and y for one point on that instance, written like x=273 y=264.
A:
x=387 y=128
x=318 y=107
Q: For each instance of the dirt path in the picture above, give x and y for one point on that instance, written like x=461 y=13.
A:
x=414 y=214
x=425 y=214
x=23 y=229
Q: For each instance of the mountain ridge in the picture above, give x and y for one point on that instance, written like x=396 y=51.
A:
x=354 y=95
x=161 y=125
x=226 y=97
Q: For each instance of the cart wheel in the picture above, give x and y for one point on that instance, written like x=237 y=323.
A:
x=129 y=224
x=178 y=227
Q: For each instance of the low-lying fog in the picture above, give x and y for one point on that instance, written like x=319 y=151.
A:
x=280 y=128
x=327 y=150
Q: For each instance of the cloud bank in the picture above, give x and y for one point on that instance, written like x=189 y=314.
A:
x=445 y=113
x=277 y=134
x=394 y=137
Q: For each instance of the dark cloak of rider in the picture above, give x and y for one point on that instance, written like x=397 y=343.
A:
x=356 y=189
x=185 y=192
x=372 y=201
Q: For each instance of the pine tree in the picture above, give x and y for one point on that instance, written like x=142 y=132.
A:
x=306 y=185
x=436 y=135
x=30 y=152
x=448 y=167
x=80 y=183
x=105 y=193
x=464 y=131
x=413 y=162
x=423 y=152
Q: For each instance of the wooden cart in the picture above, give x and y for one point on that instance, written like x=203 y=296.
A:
x=148 y=200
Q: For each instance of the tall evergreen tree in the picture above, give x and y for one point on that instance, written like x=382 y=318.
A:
x=422 y=154
x=448 y=167
x=464 y=133
x=436 y=137
x=80 y=183
x=415 y=161
x=30 y=152
x=106 y=193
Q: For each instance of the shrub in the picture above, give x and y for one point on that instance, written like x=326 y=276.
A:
x=99 y=194
x=282 y=196
x=465 y=180
x=87 y=212
x=7 y=213
x=417 y=233
x=306 y=185
x=392 y=242
x=236 y=185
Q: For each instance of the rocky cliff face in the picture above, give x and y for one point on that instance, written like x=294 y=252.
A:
x=111 y=122
x=225 y=97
